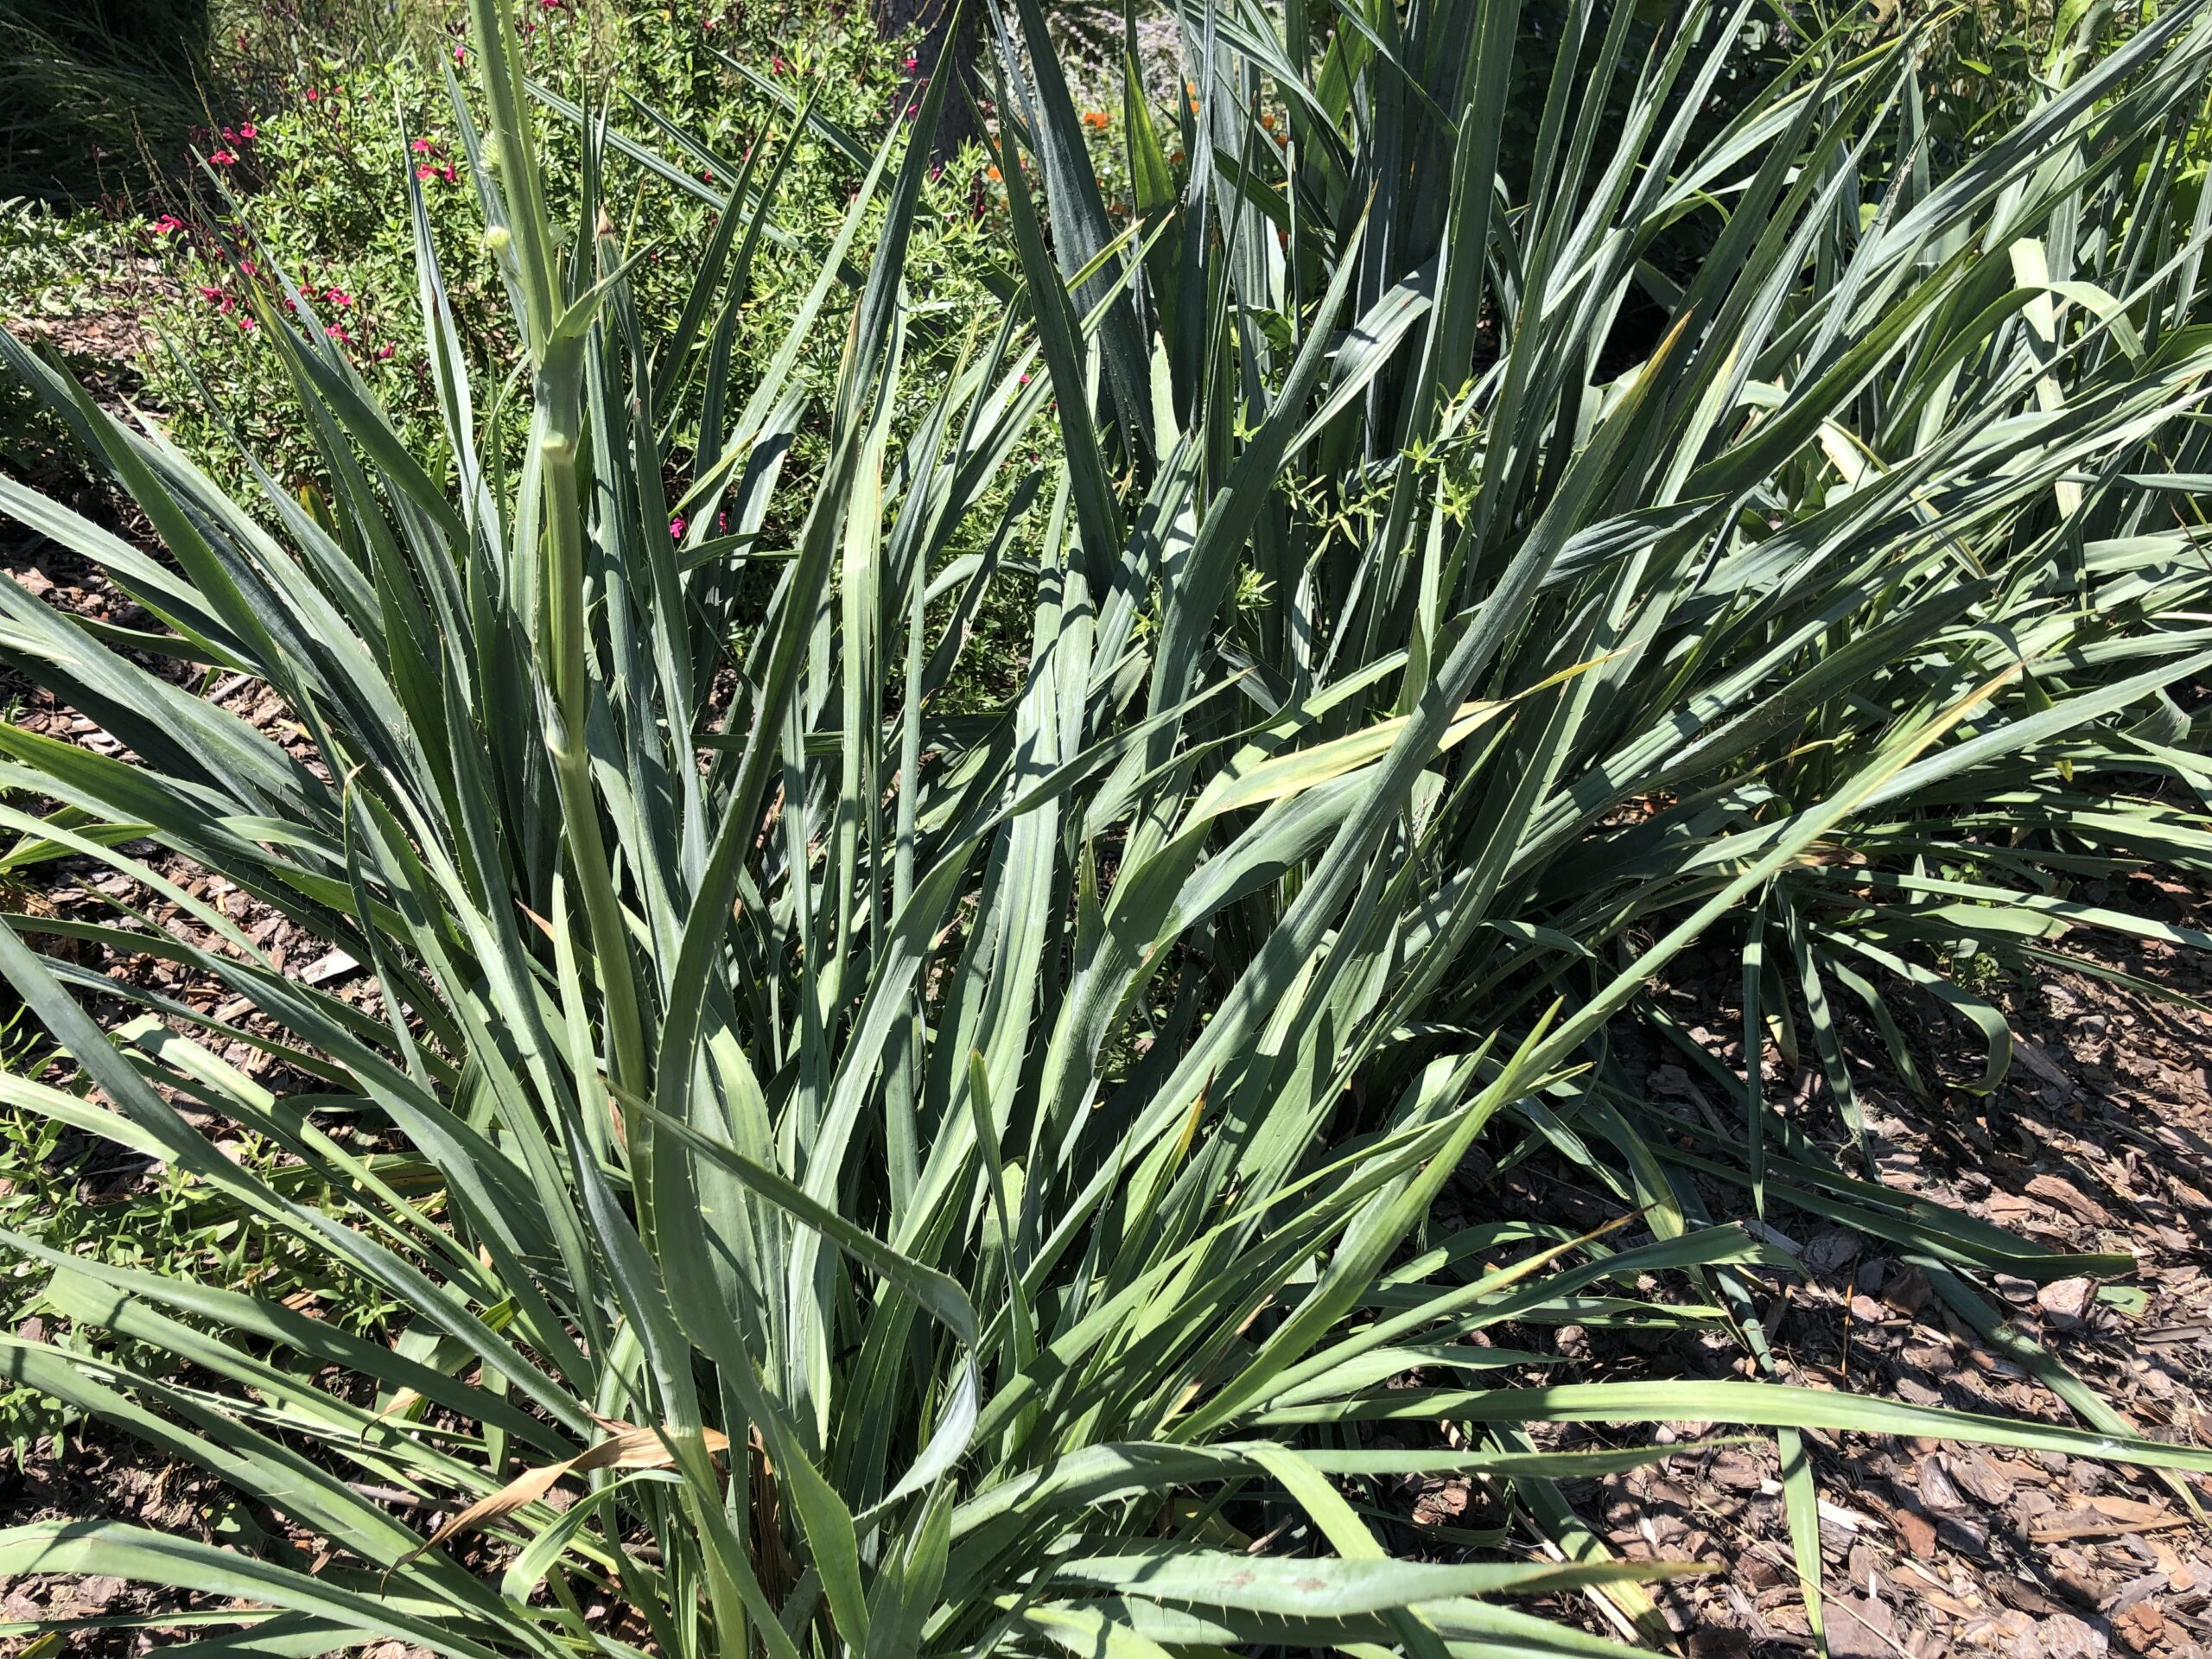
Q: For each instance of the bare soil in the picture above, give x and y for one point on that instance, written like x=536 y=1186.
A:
x=2100 y=1139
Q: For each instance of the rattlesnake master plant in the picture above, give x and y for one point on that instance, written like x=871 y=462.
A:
x=962 y=1185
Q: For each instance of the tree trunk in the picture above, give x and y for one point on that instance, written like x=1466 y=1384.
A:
x=939 y=32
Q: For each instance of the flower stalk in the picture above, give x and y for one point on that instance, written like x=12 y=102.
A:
x=556 y=343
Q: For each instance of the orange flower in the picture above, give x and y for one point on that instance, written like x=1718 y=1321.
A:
x=1094 y=119
x=1268 y=121
x=993 y=174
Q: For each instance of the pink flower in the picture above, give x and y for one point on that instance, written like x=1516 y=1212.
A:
x=424 y=170
x=210 y=295
x=707 y=173
x=676 y=527
x=460 y=53
x=247 y=325
x=313 y=95
x=910 y=63
x=722 y=524
x=449 y=175
x=223 y=158
x=230 y=134
x=337 y=332
x=337 y=296
x=422 y=146
x=775 y=66
x=249 y=132
x=168 y=225
x=384 y=351
x=249 y=267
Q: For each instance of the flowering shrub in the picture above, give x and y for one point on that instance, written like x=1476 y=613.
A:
x=304 y=196
x=301 y=193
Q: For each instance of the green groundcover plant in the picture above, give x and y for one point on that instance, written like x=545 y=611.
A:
x=961 y=1183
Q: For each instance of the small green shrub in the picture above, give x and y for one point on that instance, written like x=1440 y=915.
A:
x=50 y=261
